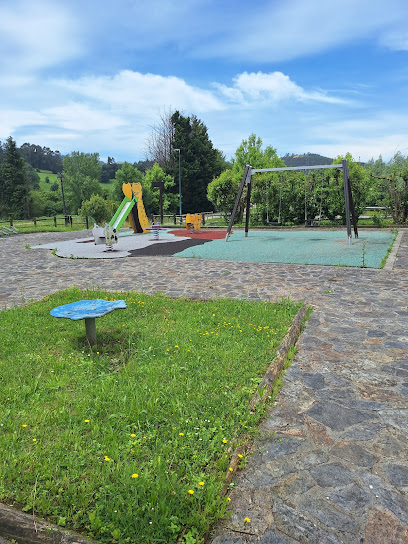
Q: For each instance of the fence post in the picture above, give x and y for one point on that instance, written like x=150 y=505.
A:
x=86 y=222
x=203 y=219
x=35 y=222
x=175 y=220
x=70 y=220
x=55 y=221
x=11 y=222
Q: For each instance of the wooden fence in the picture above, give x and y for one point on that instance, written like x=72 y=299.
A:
x=56 y=220
x=177 y=219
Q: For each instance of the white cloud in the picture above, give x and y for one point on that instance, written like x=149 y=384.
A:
x=273 y=87
x=364 y=138
x=295 y=28
x=83 y=118
x=34 y=35
x=133 y=92
x=12 y=120
x=396 y=40
x=264 y=31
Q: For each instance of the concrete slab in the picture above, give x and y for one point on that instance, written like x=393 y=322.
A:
x=85 y=248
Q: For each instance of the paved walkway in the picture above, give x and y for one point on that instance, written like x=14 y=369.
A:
x=331 y=465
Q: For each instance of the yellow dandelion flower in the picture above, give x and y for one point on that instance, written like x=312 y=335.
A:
x=201 y=483
x=107 y=458
x=224 y=441
x=24 y=425
x=239 y=455
x=190 y=492
x=135 y=475
x=231 y=469
x=133 y=435
x=86 y=420
x=181 y=434
x=228 y=499
x=34 y=440
x=247 y=520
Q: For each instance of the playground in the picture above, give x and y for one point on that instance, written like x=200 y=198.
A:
x=317 y=246
x=298 y=246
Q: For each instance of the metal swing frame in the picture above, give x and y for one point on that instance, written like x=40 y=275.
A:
x=247 y=180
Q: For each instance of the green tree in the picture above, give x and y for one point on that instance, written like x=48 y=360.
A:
x=199 y=162
x=81 y=178
x=127 y=173
x=32 y=177
x=45 y=203
x=97 y=208
x=156 y=173
x=360 y=184
x=222 y=192
x=250 y=152
x=14 y=185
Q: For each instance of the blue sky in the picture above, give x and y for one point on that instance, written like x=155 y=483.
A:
x=322 y=76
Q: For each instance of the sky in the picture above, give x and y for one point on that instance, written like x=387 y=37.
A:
x=318 y=76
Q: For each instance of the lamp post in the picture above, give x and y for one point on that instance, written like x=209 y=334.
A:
x=181 y=220
x=61 y=177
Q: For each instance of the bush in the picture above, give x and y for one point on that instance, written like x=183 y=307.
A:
x=95 y=207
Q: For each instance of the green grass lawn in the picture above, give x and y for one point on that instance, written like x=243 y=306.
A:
x=52 y=177
x=130 y=441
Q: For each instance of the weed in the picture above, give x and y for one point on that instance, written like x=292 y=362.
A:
x=363 y=264
x=395 y=232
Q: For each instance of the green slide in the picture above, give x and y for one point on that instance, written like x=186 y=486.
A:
x=122 y=212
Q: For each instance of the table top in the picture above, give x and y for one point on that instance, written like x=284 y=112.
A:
x=85 y=309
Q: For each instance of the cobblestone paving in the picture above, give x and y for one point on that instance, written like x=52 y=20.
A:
x=331 y=464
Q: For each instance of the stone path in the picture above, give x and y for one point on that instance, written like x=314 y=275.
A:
x=331 y=465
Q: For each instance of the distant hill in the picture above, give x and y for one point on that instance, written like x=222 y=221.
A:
x=306 y=159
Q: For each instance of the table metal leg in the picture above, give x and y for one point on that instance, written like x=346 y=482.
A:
x=90 y=329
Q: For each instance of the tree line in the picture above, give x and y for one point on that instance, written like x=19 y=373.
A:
x=179 y=148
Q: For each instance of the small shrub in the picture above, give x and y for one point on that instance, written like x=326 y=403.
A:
x=95 y=207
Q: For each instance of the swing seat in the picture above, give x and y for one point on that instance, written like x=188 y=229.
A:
x=273 y=223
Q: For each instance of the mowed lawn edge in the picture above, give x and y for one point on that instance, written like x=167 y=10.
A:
x=129 y=441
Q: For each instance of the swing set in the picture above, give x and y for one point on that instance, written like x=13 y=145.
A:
x=247 y=180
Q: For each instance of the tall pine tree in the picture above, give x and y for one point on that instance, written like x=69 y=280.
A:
x=199 y=162
x=14 y=186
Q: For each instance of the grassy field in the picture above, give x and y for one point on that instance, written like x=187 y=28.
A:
x=52 y=177
x=44 y=186
x=130 y=441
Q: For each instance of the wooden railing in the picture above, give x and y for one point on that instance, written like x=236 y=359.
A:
x=56 y=220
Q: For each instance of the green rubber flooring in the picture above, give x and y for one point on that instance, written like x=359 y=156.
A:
x=312 y=246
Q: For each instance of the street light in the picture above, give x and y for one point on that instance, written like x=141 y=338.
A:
x=61 y=177
x=181 y=220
